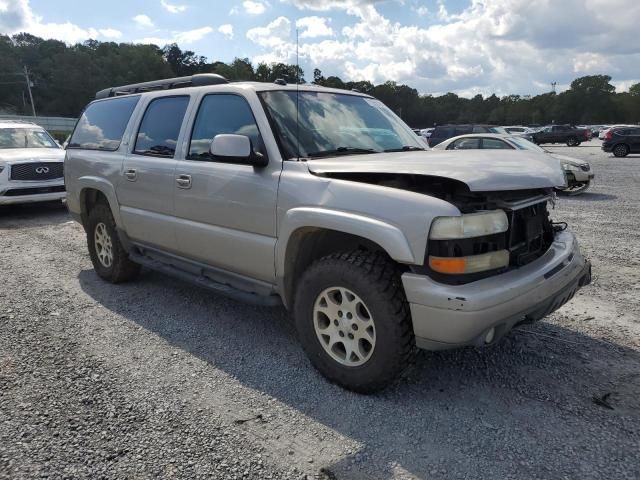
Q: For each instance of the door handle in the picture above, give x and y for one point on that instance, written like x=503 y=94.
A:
x=131 y=174
x=184 y=181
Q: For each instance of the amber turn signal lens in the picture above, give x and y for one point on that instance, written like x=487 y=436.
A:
x=447 y=265
x=470 y=264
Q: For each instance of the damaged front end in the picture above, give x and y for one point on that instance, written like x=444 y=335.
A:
x=526 y=234
x=523 y=229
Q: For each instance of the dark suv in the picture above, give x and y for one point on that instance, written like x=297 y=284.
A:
x=445 y=132
x=622 y=141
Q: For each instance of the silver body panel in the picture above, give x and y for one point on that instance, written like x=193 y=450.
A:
x=238 y=219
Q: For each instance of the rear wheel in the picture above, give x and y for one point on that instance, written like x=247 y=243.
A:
x=621 y=150
x=572 y=142
x=353 y=320
x=110 y=260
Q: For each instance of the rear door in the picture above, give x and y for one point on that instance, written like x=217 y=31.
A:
x=225 y=211
x=145 y=190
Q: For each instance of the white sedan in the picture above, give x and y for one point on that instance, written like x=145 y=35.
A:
x=31 y=164
x=578 y=173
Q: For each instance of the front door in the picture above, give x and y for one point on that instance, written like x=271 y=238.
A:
x=145 y=191
x=226 y=212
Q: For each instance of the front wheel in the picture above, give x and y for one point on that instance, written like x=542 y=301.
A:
x=353 y=320
x=110 y=259
x=572 y=142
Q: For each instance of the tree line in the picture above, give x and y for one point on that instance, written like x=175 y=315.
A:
x=66 y=77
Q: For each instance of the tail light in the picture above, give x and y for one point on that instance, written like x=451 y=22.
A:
x=608 y=135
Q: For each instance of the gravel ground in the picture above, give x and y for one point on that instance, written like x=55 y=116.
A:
x=160 y=379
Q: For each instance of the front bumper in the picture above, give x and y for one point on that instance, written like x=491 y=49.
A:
x=43 y=189
x=580 y=176
x=449 y=316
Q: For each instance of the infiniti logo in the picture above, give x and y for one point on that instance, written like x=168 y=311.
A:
x=42 y=170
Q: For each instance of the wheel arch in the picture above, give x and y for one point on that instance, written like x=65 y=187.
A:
x=92 y=190
x=312 y=233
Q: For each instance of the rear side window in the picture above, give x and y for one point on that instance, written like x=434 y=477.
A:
x=465 y=144
x=222 y=114
x=102 y=124
x=495 y=144
x=160 y=127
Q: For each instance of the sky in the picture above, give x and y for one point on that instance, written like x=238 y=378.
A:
x=437 y=46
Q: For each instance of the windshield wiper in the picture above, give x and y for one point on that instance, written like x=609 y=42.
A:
x=404 y=148
x=341 y=151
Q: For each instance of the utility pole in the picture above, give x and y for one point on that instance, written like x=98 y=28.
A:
x=553 y=86
x=26 y=76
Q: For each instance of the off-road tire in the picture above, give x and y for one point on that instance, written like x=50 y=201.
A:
x=376 y=280
x=621 y=150
x=122 y=268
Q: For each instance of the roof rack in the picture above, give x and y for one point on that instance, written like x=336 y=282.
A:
x=167 y=84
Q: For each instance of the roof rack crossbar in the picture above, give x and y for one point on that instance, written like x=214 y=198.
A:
x=197 y=80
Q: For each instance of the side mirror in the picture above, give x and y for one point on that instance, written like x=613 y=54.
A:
x=236 y=149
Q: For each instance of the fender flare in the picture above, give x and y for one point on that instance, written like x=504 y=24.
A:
x=104 y=187
x=388 y=236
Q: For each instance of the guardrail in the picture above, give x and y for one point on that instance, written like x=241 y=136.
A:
x=51 y=124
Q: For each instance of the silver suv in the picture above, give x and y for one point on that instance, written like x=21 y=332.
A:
x=325 y=201
x=31 y=164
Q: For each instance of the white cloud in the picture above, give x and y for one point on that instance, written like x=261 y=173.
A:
x=422 y=11
x=502 y=46
x=313 y=27
x=325 y=5
x=143 y=20
x=253 y=7
x=16 y=16
x=274 y=34
x=226 y=30
x=110 y=32
x=191 y=36
x=181 y=38
x=171 y=8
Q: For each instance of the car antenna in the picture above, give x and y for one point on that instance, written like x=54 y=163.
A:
x=297 y=99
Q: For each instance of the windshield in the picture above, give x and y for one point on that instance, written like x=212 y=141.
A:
x=26 y=138
x=332 y=124
x=524 y=144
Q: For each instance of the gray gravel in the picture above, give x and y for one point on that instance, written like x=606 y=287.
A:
x=160 y=379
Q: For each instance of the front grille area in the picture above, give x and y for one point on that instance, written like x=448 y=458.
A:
x=530 y=234
x=37 y=171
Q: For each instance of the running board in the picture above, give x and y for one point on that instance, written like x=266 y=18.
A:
x=271 y=300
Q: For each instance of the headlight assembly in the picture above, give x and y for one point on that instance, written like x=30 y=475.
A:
x=469 y=225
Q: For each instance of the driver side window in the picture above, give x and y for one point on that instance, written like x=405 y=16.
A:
x=220 y=114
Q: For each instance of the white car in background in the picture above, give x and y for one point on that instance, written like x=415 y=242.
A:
x=577 y=172
x=31 y=164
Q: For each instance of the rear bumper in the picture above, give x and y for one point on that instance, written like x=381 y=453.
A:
x=607 y=147
x=449 y=316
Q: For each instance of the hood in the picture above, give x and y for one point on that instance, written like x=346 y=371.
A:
x=18 y=155
x=570 y=160
x=481 y=171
